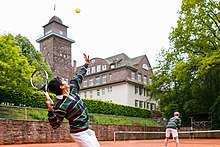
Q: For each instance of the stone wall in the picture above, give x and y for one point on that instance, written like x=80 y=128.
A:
x=26 y=131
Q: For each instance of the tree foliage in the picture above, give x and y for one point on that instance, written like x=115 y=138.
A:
x=187 y=78
x=14 y=68
x=18 y=60
x=34 y=57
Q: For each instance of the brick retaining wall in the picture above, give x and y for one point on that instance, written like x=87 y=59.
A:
x=28 y=131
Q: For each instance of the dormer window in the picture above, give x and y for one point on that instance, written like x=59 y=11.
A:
x=112 y=65
x=144 y=66
x=93 y=61
x=103 y=67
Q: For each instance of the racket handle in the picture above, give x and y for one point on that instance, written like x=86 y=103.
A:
x=48 y=98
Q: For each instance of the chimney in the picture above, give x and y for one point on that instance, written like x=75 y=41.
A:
x=74 y=67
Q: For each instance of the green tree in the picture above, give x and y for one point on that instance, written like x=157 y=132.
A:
x=14 y=68
x=187 y=77
x=34 y=57
x=18 y=60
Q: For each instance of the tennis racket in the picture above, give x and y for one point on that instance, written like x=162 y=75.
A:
x=39 y=81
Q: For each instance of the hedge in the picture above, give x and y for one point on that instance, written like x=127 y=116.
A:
x=36 y=99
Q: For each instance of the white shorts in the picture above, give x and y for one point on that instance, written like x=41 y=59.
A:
x=85 y=138
x=173 y=131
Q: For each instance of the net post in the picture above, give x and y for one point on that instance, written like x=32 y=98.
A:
x=115 y=136
x=25 y=113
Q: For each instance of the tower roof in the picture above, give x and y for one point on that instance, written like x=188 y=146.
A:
x=56 y=19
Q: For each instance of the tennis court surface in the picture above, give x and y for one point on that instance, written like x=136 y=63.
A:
x=135 y=143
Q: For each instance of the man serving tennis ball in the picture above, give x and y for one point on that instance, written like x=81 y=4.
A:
x=70 y=106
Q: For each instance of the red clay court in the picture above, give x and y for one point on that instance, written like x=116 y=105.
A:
x=135 y=143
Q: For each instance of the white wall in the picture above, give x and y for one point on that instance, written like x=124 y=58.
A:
x=121 y=94
x=118 y=94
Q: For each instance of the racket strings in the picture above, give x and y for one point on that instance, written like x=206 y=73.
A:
x=39 y=80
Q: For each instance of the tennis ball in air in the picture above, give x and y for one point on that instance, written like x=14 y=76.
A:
x=77 y=10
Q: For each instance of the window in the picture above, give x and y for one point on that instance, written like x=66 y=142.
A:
x=93 y=61
x=90 y=94
x=140 y=91
x=103 y=78
x=136 y=103
x=145 y=80
x=103 y=67
x=141 y=104
x=85 y=94
x=109 y=89
x=98 y=92
x=93 y=69
x=88 y=71
x=136 y=89
x=110 y=77
x=145 y=104
x=112 y=66
x=132 y=75
x=97 y=80
x=98 y=68
x=144 y=66
x=139 y=77
x=147 y=92
x=153 y=106
x=84 y=83
x=103 y=91
x=90 y=82
x=148 y=105
x=150 y=81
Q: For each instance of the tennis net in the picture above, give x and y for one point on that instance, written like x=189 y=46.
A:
x=132 y=135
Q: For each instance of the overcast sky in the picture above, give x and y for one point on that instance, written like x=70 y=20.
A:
x=103 y=28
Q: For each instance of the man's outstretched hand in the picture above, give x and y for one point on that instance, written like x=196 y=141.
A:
x=86 y=59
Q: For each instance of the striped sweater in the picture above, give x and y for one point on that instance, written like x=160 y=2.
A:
x=72 y=108
x=174 y=123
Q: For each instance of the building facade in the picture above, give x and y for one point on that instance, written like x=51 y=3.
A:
x=119 y=79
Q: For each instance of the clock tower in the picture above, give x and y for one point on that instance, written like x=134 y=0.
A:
x=56 y=48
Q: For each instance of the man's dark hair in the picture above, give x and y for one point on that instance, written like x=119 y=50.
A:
x=54 y=86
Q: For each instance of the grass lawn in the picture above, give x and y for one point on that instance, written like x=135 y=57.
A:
x=41 y=114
